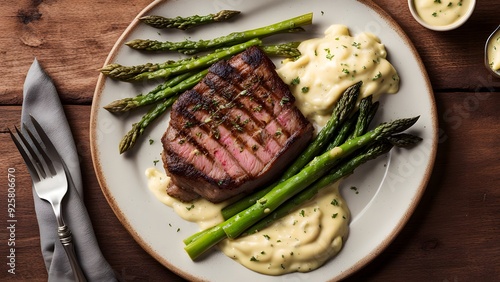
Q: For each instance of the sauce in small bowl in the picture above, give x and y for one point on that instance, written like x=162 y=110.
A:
x=441 y=15
x=492 y=52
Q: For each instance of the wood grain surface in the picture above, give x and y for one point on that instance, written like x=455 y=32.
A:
x=454 y=235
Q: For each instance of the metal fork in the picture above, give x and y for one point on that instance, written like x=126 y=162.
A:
x=48 y=174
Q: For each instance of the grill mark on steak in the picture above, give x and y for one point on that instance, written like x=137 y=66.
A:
x=248 y=104
x=234 y=131
x=243 y=126
x=208 y=116
x=180 y=158
x=263 y=86
x=257 y=97
x=206 y=135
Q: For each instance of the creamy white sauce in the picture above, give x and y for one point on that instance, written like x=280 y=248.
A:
x=441 y=12
x=329 y=65
x=201 y=211
x=301 y=241
x=494 y=51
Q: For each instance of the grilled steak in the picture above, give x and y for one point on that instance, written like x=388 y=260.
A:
x=234 y=131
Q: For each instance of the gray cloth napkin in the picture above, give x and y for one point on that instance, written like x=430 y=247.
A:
x=42 y=102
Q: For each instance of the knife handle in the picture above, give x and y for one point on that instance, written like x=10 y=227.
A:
x=66 y=239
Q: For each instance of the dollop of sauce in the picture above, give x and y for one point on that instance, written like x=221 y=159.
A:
x=301 y=241
x=441 y=12
x=329 y=65
x=201 y=211
x=494 y=51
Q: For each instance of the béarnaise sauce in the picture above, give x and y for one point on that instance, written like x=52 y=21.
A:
x=441 y=12
x=493 y=51
x=329 y=65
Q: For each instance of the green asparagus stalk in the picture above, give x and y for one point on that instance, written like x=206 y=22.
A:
x=125 y=73
x=287 y=50
x=131 y=73
x=237 y=224
x=201 y=62
x=184 y=82
x=344 y=131
x=130 y=139
x=337 y=173
x=404 y=140
x=340 y=113
x=185 y=23
x=364 y=110
x=228 y=40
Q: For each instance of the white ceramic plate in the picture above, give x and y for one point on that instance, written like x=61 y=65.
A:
x=389 y=188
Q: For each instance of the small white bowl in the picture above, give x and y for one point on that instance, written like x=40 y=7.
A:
x=460 y=21
x=493 y=35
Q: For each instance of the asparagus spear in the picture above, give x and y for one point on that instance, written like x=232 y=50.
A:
x=184 y=82
x=184 y=23
x=188 y=65
x=364 y=110
x=230 y=39
x=130 y=139
x=287 y=50
x=344 y=131
x=404 y=140
x=129 y=73
x=237 y=224
x=341 y=111
x=125 y=73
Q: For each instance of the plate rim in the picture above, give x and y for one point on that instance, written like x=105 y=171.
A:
x=379 y=248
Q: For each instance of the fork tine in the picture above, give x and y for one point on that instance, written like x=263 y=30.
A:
x=42 y=152
x=52 y=151
x=29 y=162
x=35 y=152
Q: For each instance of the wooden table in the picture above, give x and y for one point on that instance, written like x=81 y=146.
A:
x=454 y=235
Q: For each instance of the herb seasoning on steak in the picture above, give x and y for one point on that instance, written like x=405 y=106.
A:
x=234 y=132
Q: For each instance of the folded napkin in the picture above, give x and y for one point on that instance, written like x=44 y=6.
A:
x=42 y=102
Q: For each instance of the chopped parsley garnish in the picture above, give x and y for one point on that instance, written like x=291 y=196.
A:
x=335 y=202
x=335 y=215
x=151 y=141
x=266 y=236
x=189 y=124
x=258 y=108
x=379 y=75
x=253 y=259
x=284 y=100
x=190 y=207
x=329 y=55
x=295 y=81
x=305 y=89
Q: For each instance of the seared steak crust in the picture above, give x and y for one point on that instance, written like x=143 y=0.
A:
x=234 y=131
